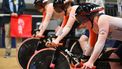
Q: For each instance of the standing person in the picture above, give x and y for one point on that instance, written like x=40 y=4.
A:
x=0 y=36
x=0 y=32
x=85 y=36
x=14 y=8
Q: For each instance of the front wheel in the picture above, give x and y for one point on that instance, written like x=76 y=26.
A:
x=26 y=50
x=42 y=60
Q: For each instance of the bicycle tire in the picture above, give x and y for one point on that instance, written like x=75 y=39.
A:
x=26 y=50
x=42 y=60
x=76 y=49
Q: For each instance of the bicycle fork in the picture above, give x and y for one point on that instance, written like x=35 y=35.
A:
x=54 y=58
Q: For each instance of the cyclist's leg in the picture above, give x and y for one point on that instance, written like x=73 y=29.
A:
x=118 y=55
x=84 y=43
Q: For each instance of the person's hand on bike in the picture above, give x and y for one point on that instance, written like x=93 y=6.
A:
x=88 y=65
x=38 y=34
x=51 y=44
x=54 y=43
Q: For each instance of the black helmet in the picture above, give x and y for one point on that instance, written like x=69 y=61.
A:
x=40 y=3
x=61 y=5
x=86 y=10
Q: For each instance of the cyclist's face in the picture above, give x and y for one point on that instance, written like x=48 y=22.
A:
x=59 y=8
x=81 y=18
x=39 y=6
x=78 y=18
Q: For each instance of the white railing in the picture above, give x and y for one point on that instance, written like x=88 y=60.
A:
x=9 y=15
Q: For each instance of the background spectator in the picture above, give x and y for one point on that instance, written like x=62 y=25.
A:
x=14 y=8
x=98 y=2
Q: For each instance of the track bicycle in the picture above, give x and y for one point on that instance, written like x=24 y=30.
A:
x=44 y=57
x=62 y=58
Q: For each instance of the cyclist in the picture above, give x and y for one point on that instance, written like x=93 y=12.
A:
x=60 y=6
x=50 y=13
x=84 y=37
x=105 y=26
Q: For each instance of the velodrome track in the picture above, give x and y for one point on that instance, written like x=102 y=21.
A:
x=8 y=63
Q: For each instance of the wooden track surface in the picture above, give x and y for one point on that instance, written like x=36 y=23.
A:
x=8 y=63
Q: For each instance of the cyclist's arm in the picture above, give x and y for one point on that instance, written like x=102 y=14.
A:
x=103 y=26
x=44 y=14
x=65 y=19
x=67 y=27
x=45 y=22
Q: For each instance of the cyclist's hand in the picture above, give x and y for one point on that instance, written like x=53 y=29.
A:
x=51 y=44
x=88 y=65
x=38 y=34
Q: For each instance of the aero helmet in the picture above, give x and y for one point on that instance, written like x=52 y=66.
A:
x=61 y=5
x=86 y=10
x=40 y=3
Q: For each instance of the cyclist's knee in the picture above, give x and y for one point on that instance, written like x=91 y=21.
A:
x=83 y=38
